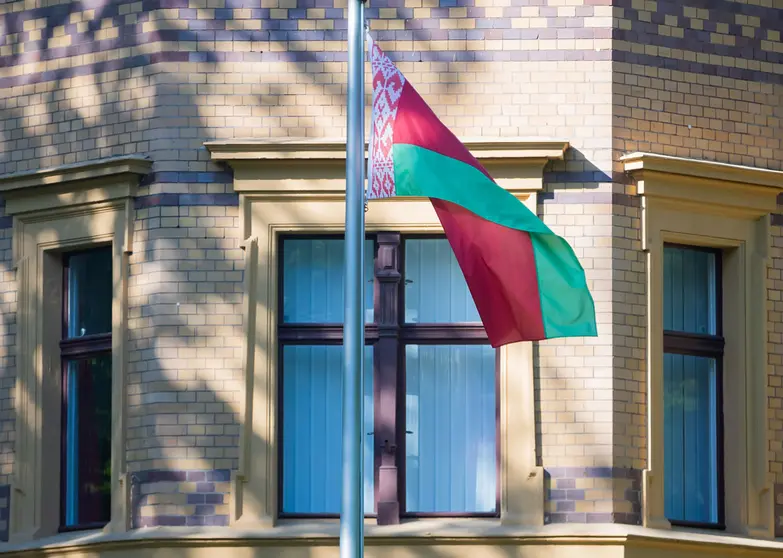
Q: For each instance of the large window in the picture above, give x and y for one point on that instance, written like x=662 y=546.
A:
x=693 y=368
x=430 y=384
x=87 y=391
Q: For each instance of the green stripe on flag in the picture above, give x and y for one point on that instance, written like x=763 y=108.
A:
x=566 y=304
x=424 y=173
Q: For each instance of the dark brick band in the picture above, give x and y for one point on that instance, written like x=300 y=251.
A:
x=565 y=487
x=591 y=176
x=161 y=200
x=221 y=177
x=402 y=56
x=696 y=67
x=607 y=198
x=747 y=40
x=303 y=56
x=199 y=489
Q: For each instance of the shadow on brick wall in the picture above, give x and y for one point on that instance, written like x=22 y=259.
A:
x=131 y=116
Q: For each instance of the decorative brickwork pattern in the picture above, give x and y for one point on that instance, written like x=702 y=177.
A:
x=178 y=498
x=588 y=495
x=720 y=38
x=136 y=34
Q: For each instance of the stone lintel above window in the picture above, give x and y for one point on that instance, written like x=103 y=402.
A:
x=68 y=185
x=317 y=166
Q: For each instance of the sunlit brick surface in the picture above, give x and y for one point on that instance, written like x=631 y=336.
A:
x=161 y=77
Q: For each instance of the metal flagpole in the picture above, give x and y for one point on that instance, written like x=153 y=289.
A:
x=351 y=513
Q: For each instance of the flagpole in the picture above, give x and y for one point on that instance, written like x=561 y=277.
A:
x=351 y=513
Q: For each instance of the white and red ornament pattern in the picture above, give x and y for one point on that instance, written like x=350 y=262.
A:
x=387 y=85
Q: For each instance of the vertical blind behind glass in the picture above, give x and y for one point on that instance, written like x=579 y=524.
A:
x=435 y=288
x=450 y=447
x=690 y=465
x=312 y=429
x=314 y=280
x=690 y=389
x=689 y=290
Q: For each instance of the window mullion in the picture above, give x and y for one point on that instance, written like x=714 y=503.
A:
x=388 y=436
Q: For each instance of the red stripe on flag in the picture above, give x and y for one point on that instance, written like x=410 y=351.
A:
x=500 y=268
x=417 y=125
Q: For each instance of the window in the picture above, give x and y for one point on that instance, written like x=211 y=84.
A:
x=692 y=368
x=430 y=382
x=85 y=486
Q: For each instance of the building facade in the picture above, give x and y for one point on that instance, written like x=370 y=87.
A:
x=172 y=177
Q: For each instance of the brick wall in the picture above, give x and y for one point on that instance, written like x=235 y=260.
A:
x=185 y=328
x=590 y=495
x=7 y=352
x=702 y=80
x=7 y=371
x=177 y=498
x=160 y=77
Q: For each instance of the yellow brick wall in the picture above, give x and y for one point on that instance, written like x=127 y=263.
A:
x=7 y=356
x=184 y=381
x=701 y=117
x=171 y=109
x=185 y=290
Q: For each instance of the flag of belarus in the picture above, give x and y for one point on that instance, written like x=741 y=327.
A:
x=526 y=281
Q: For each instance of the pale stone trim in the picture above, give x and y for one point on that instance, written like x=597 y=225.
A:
x=699 y=168
x=300 y=192
x=299 y=149
x=727 y=207
x=78 y=171
x=427 y=538
x=55 y=210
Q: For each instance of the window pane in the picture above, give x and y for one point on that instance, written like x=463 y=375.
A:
x=690 y=430
x=435 y=288
x=89 y=292
x=689 y=290
x=450 y=456
x=312 y=429
x=87 y=459
x=314 y=280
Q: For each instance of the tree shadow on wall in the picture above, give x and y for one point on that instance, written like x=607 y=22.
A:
x=52 y=125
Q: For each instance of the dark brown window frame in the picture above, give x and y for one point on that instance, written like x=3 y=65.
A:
x=389 y=335
x=76 y=349
x=709 y=346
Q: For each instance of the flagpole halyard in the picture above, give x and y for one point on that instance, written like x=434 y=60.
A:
x=351 y=512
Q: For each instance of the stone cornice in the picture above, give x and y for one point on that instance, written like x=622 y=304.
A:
x=68 y=185
x=697 y=168
x=307 y=149
x=315 y=168
x=705 y=186
x=75 y=172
